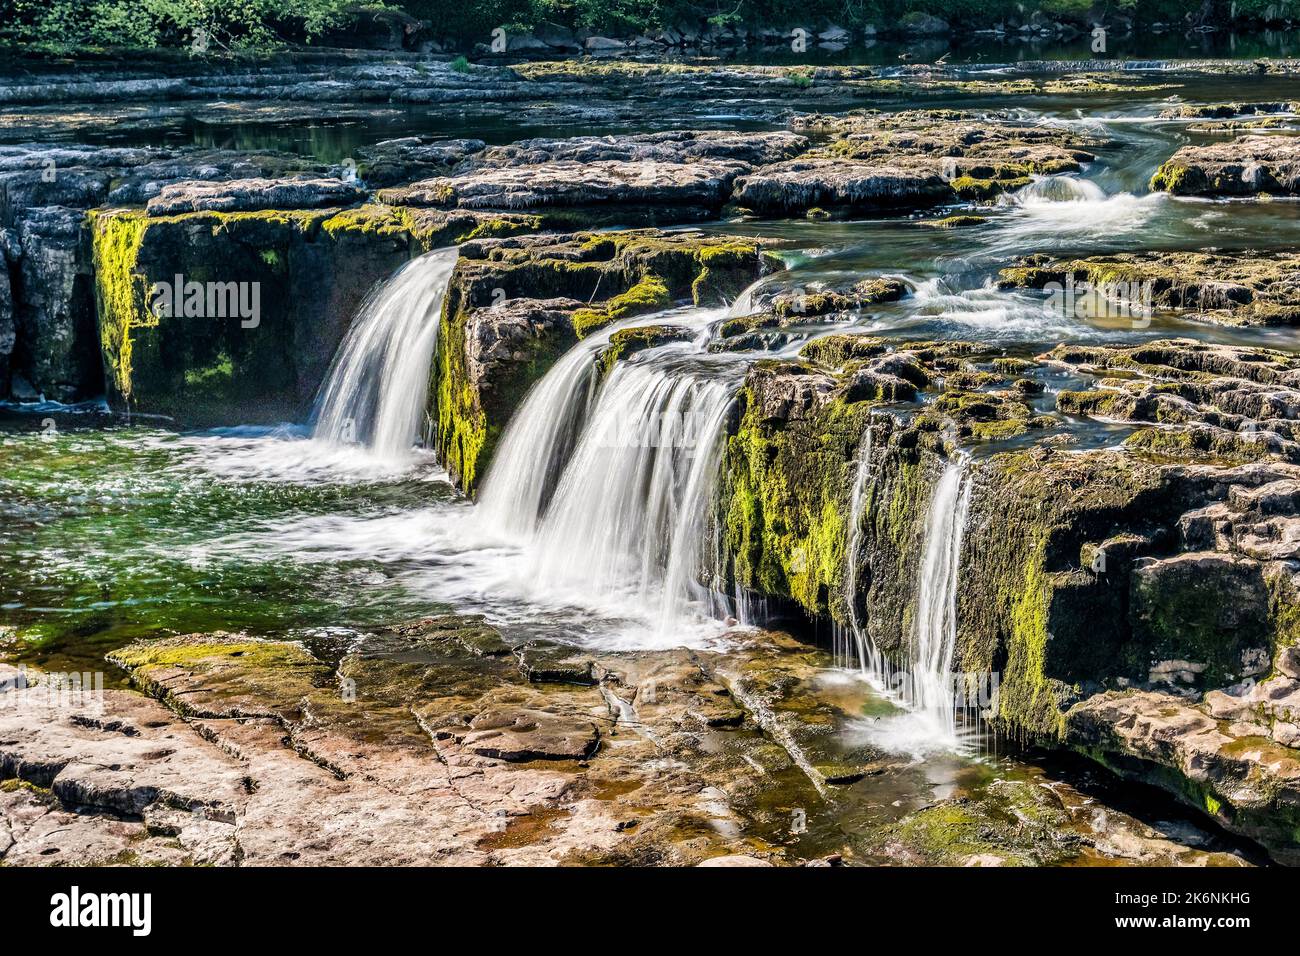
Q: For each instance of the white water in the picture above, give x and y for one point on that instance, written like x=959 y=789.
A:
x=925 y=685
x=627 y=520
x=1057 y=211
x=930 y=680
x=606 y=484
x=378 y=385
x=538 y=441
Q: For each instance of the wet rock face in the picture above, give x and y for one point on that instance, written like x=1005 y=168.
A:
x=679 y=176
x=1211 y=403
x=53 y=308
x=264 y=300
x=1167 y=564
x=44 y=192
x=1246 y=166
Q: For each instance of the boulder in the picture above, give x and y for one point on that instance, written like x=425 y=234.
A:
x=394 y=161
x=803 y=184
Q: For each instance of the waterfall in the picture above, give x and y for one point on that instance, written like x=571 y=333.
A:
x=862 y=646
x=925 y=684
x=628 y=518
x=378 y=384
x=539 y=440
x=929 y=685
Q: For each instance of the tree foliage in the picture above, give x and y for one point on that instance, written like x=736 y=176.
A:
x=220 y=25
x=204 y=25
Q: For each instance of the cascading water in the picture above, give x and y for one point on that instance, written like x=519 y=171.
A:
x=627 y=520
x=378 y=384
x=861 y=647
x=608 y=480
x=924 y=684
x=1062 y=210
x=538 y=441
x=929 y=686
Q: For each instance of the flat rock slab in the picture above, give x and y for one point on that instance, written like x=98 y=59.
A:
x=803 y=184
x=248 y=195
x=522 y=734
x=567 y=184
x=676 y=146
x=428 y=743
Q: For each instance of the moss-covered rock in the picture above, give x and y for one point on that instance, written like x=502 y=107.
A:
x=1246 y=166
x=305 y=271
x=786 y=482
x=627 y=342
x=1227 y=289
x=576 y=284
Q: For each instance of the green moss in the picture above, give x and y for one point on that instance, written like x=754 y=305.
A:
x=120 y=291
x=1103 y=403
x=972 y=188
x=425 y=229
x=834 y=351
x=1197 y=444
x=801 y=78
x=1170 y=177
x=187 y=652
x=785 y=504
x=1027 y=699
x=724 y=269
x=462 y=423
x=218 y=375
x=626 y=342
x=650 y=294
x=274 y=258
x=956 y=222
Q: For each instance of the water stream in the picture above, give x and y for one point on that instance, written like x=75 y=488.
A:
x=378 y=385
